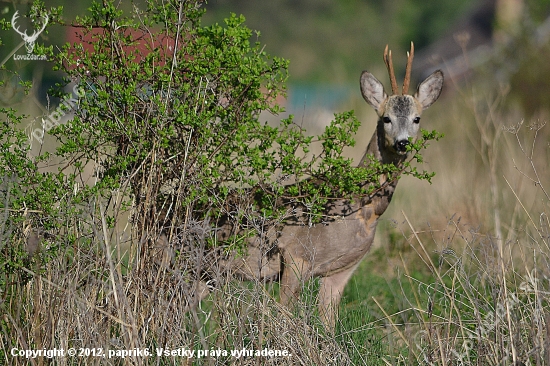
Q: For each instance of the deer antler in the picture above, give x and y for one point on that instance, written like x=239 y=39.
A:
x=407 y=80
x=389 y=65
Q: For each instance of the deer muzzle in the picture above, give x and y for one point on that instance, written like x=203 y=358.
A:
x=401 y=146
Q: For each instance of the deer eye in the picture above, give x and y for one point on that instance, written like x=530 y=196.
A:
x=416 y=120
x=386 y=119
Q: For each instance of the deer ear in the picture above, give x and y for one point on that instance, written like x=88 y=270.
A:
x=429 y=90
x=372 y=90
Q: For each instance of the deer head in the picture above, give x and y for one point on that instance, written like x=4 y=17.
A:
x=399 y=114
x=29 y=40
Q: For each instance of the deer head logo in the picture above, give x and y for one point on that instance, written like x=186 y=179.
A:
x=29 y=40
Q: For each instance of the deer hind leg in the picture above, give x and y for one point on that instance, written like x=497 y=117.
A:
x=330 y=294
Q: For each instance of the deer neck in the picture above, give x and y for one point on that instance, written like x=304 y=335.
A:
x=377 y=149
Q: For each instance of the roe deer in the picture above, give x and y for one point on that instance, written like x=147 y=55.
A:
x=333 y=249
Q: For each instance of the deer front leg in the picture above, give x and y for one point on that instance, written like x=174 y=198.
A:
x=290 y=286
x=330 y=294
x=291 y=280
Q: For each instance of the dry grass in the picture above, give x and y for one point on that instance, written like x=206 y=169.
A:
x=98 y=298
x=482 y=305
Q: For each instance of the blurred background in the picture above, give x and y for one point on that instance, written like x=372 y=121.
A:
x=494 y=55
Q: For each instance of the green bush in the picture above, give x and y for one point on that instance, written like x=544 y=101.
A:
x=178 y=129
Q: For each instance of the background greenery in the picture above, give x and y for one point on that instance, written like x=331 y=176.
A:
x=331 y=41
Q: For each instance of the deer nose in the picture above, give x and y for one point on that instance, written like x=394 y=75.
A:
x=401 y=145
